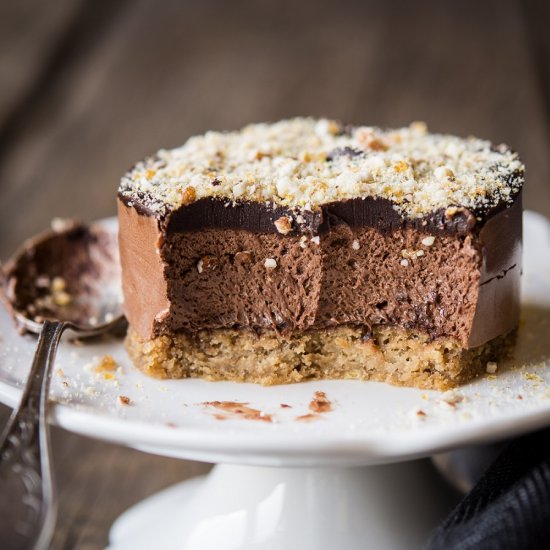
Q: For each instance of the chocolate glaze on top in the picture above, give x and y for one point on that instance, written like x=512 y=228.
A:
x=378 y=213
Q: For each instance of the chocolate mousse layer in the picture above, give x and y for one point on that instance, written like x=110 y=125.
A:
x=445 y=275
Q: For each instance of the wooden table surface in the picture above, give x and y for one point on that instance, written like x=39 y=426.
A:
x=87 y=88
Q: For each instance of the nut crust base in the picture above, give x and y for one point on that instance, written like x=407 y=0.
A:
x=393 y=354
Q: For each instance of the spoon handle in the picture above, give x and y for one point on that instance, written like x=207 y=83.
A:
x=28 y=519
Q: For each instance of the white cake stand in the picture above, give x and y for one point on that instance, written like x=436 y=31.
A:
x=295 y=483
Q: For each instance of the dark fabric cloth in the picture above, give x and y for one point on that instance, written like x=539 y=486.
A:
x=509 y=507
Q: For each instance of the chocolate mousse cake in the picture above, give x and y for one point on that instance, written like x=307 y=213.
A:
x=306 y=249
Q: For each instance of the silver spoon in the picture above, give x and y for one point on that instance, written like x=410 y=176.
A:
x=63 y=279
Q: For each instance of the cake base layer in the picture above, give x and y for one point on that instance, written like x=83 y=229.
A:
x=389 y=354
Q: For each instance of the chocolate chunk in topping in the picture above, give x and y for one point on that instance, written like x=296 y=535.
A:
x=343 y=152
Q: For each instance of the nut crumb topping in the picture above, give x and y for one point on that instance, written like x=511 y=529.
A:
x=189 y=195
x=283 y=225
x=303 y=163
x=270 y=263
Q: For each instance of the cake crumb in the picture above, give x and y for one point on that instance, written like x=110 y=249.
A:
x=124 y=400
x=106 y=364
x=241 y=410
x=418 y=414
x=320 y=403
x=285 y=406
x=451 y=399
x=310 y=417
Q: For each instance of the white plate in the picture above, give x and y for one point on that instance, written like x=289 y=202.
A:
x=371 y=422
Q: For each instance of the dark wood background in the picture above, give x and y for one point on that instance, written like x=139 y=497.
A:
x=87 y=88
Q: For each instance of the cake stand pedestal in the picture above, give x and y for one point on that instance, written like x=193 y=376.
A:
x=247 y=507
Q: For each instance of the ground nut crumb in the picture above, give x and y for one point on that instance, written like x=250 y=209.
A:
x=58 y=284
x=283 y=225
x=270 y=263
x=189 y=195
x=401 y=166
x=62 y=298
x=428 y=241
x=451 y=212
x=404 y=263
x=316 y=240
x=443 y=172
x=355 y=245
x=491 y=367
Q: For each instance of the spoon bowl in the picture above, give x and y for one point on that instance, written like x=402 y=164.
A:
x=71 y=275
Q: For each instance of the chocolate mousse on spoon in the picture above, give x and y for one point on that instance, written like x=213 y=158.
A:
x=66 y=278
